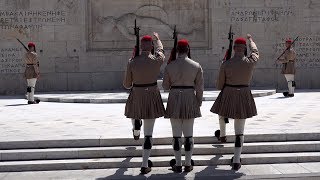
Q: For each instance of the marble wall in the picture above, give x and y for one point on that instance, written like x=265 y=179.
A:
x=85 y=44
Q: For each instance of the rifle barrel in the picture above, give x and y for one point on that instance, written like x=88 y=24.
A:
x=289 y=47
x=25 y=47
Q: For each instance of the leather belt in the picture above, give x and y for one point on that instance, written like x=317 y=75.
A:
x=237 y=86
x=182 y=87
x=145 y=85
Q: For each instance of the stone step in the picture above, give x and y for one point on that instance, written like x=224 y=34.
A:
x=288 y=171
x=73 y=143
x=157 y=150
x=130 y=162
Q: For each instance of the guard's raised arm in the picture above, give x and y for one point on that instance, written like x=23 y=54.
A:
x=159 y=52
x=254 y=53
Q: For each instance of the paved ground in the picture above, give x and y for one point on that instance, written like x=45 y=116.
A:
x=121 y=97
x=305 y=171
x=78 y=121
x=20 y=122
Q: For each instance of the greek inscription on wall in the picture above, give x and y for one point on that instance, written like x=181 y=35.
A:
x=307 y=49
x=31 y=19
x=259 y=15
x=11 y=60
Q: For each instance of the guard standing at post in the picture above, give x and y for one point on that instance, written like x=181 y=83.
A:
x=288 y=67
x=32 y=72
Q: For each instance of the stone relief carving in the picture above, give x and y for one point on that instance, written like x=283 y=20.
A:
x=109 y=31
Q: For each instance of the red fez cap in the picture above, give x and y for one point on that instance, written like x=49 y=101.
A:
x=240 y=41
x=31 y=44
x=146 y=38
x=289 y=40
x=183 y=43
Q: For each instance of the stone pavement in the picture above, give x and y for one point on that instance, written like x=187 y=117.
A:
x=306 y=171
x=70 y=121
x=60 y=121
x=121 y=97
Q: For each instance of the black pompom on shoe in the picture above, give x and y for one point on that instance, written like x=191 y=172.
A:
x=177 y=169
x=145 y=170
x=188 y=168
x=236 y=166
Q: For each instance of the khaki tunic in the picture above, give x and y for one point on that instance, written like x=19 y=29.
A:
x=144 y=102
x=236 y=102
x=183 y=103
x=288 y=60
x=32 y=68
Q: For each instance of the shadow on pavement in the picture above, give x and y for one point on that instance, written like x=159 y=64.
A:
x=119 y=174
x=18 y=97
x=212 y=172
x=280 y=98
x=209 y=173
x=17 y=105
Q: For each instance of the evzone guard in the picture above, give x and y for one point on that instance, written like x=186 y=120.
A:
x=288 y=59
x=235 y=99
x=32 y=72
x=184 y=78
x=144 y=101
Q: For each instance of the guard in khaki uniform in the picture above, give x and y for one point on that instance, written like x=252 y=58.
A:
x=144 y=101
x=32 y=72
x=288 y=67
x=235 y=99
x=184 y=78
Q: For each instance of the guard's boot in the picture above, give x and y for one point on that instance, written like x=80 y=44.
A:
x=223 y=139
x=177 y=169
x=236 y=166
x=188 y=168
x=285 y=94
x=145 y=170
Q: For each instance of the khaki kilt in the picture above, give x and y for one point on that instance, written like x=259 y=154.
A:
x=288 y=68
x=235 y=103
x=144 y=103
x=30 y=72
x=182 y=104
